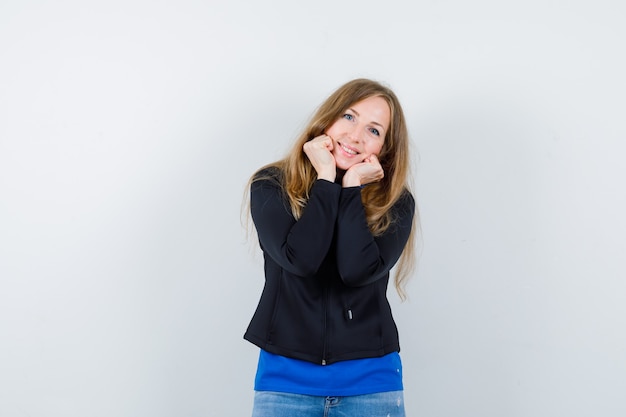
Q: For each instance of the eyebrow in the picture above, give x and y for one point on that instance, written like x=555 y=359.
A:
x=372 y=122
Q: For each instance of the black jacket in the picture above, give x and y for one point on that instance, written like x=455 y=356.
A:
x=326 y=275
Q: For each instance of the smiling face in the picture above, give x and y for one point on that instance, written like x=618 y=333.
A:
x=360 y=131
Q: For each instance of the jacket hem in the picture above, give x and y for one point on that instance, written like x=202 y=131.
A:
x=329 y=359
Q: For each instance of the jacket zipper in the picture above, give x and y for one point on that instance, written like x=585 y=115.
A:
x=325 y=325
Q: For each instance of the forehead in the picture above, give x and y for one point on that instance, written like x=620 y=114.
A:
x=373 y=109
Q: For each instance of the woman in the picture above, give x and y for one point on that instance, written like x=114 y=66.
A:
x=332 y=219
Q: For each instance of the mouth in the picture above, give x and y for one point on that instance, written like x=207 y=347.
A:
x=347 y=149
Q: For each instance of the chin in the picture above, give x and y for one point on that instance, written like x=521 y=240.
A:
x=344 y=167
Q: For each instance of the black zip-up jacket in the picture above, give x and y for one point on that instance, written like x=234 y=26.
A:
x=326 y=275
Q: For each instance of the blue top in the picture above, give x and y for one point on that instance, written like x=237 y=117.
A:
x=344 y=378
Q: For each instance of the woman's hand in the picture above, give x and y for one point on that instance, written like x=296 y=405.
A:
x=364 y=172
x=318 y=150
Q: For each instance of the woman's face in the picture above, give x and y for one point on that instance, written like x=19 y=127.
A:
x=360 y=131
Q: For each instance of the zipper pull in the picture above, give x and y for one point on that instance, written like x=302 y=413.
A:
x=349 y=314
x=323 y=361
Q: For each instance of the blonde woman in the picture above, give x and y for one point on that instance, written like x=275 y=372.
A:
x=333 y=217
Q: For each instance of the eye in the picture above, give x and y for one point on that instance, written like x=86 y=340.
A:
x=348 y=116
x=375 y=131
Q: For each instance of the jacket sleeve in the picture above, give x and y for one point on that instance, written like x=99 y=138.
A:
x=361 y=257
x=297 y=246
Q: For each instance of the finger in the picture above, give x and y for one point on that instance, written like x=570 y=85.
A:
x=321 y=142
x=324 y=140
x=375 y=162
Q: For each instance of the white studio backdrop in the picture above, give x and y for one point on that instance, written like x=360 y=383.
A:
x=128 y=130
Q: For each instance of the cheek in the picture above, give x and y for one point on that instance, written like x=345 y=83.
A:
x=375 y=148
x=332 y=130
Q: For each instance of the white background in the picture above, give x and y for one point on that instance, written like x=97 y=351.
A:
x=128 y=130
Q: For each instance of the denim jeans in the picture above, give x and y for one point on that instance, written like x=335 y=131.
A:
x=280 y=404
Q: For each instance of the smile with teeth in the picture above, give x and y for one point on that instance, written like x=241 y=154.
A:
x=348 y=150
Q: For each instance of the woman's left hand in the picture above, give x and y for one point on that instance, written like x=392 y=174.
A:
x=364 y=172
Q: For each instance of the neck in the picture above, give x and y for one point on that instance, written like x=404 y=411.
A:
x=340 y=174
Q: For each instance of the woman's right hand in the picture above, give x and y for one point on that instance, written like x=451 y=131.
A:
x=319 y=152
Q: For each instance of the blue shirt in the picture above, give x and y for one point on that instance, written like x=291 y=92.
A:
x=344 y=378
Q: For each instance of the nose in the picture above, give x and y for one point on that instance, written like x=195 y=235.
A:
x=355 y=133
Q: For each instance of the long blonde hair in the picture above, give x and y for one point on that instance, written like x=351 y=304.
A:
x=298 y=175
